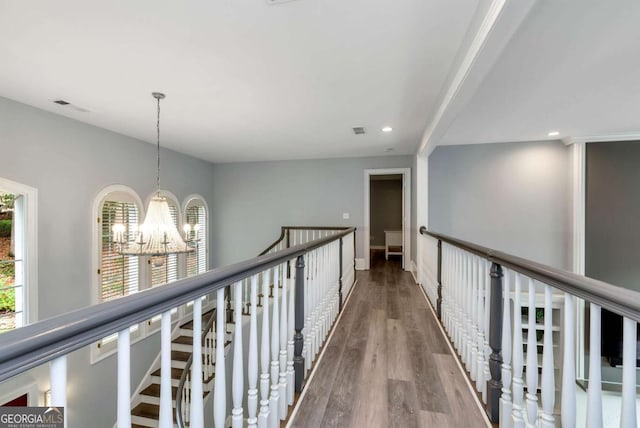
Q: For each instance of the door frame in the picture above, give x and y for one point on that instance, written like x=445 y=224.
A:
x=406 y=213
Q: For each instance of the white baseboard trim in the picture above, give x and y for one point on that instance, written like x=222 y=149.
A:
x=360 y=264
x=415 y=278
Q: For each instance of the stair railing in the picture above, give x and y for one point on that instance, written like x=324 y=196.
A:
x=513 y=323
x=295 y=235
x=282 y=354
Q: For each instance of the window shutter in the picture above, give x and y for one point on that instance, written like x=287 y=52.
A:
x=118 y=274
x=168 y=272
x=197 y=261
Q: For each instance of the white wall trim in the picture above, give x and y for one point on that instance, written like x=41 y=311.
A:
x=31 y=244
x=406 y=212
x=34 y=397
x=632 y=136
x=360 y=264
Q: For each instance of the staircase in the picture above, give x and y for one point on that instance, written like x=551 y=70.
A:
x=147 y=402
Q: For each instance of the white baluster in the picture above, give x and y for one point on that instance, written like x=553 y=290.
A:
x=237 y=383
x=263 y=416
x=473 y=372
x=548 y=384
x=58 y=376
x=467 y=309
x=166 y=405
x=532 y=358
x=220 y=384
x=518 y=360
x=308 y=301
x=480 y=378
x=505 y=399
x=290 y=333
x=629 y=347
x=252 y=370
x=594 y=391
x=568 y=404
x=124 y=379
x=275 y=348
x=283 y=347
x=487 y=312
x=196 y=412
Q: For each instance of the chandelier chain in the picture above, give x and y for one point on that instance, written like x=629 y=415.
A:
x=158 y=146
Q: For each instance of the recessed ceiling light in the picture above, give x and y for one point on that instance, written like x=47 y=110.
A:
x=387 y=129
x=553 y=134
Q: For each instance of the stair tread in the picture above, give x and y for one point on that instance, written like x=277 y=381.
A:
x=175 y=373
x=153 y=390
x=150 y=411
x=183 y=340
x=205 y=317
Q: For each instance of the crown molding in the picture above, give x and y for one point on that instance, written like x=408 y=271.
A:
x=633 y=136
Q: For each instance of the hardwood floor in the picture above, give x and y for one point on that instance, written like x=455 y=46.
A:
x=387 y=364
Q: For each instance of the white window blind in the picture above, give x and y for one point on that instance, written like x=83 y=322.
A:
x=169 y=270
x=119 y=275
x=196 y=214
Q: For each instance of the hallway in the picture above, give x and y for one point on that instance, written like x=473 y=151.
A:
x=387 y=364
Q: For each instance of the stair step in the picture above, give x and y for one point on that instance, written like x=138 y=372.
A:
x=205 y=318
x=153 y=390
x=149 y=411
x=183 y=340
x=175 y=373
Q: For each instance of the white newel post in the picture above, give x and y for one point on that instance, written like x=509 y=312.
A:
x=505 y=399
x=548 y=383
x=58 y=375
x=518 y=358
x=124 y=379
x=220 y=384
x=237 y=384
x=252 y=370
x=594 y=391
x=263 y=416
x=196 y=413
x=275 y=349
x=166 y=405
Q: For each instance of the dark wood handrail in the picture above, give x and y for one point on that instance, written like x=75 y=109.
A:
x=285 y=229
x=614 y=298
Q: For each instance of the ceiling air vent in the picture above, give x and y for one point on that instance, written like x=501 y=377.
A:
x=68 y=105
x=358 y=130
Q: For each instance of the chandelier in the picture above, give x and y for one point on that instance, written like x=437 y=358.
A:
x=157 y=236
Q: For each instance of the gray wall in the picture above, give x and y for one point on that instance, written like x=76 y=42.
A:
x=512 y=197
x=612 y=237
x=254 y=199
x=385 y=207
x=69 y=163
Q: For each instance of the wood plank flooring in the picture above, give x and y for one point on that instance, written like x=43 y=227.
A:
x=387 y=364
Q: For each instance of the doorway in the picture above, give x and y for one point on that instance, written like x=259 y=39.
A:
x=387 y=210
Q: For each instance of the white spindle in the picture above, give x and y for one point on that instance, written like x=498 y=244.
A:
x=275 y=349
x=594 y=391
x=532 y=358
x=124 y=379
x=487 y=312
x=468 y=303
x=283 y=347
x=196 y=412
x=290 y=333
x=517 y=355
x=568 y=403
x=166 y=405
x=629 y=356
x=308 y=301
x=252 y=370
x=237 y=382
x=505 y=399
x=58 y=375
x=263 y=416
x=548 y=384
x=220 y=384
x=480 y=377
x=473 y=372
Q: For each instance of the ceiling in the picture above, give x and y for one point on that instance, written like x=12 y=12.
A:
x=247 y=80
x=572 y=66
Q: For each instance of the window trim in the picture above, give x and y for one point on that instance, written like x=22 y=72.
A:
x=30 y=243
x=185 y=204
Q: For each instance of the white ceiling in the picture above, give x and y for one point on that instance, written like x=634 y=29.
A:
x=572 y=66
x=244 y=80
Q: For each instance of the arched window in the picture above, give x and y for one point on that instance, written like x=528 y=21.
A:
x=18 y=252
x=118 y=275
x=196 y=216
x=167 y=271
